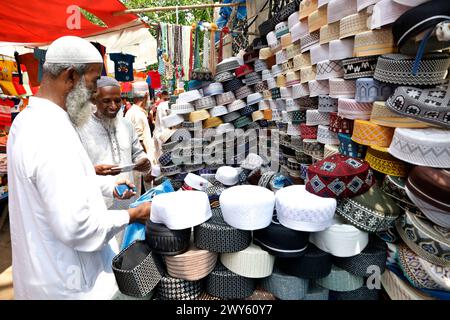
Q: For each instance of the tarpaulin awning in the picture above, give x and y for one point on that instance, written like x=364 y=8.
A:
x=38 y=21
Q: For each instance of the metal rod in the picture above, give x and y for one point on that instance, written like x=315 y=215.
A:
x=193 y=6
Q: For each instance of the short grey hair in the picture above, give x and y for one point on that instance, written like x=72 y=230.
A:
x=55 y=69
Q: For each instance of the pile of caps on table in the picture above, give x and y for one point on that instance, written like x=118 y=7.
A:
x=363 y=186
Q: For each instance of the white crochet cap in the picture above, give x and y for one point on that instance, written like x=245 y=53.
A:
x=228 y=176
x=196 y=182
x=247 y=207
x=70 y=49
x=340 y=239
x=181 y=210
x=301 y=210
x=252 y=262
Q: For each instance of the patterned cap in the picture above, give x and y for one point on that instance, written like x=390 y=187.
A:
x=243 y=70
x=260 y=87
x=252 y=78
x=319 y=53
x=422 y=104
x=370 y=90
x=371 y=134
x=301 y=61
x=329 y=32
x=260 y=65
x=306 y=8
x=380 y=160
x=326 y=136
x=243 y=92
x=178 y=289
x=225 y=98
x=233 y=85
x=350 y=109
x=396 y=69
x=300 y=90
x=339 y=9
x=229 y=64
x=205 y=102
x=182 y=108
x=353 y=24
x=226 y=284
x=339 y=124
x=307 y=74
x=340 y=88
x=286 y=40
x=309 y=40
x=318 y=87
x=327 y=104
x=340 y=177
x=374 y=42
x=308 y=132
x=198 y=116
x=281 y=29
x=284 y=286
x=189 y=96
x=350 y=148
x=317 y=19
x=328 y=69
x=359 y=67
x=314 y=118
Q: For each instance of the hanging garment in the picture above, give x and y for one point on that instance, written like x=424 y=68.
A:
x=187 y=48
x=102 y=50
x=155 y=82
x=5 y=112
x=32 y=65
x=39 y=54
x=123 y=66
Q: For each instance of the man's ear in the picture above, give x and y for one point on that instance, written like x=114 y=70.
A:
x=71 y=78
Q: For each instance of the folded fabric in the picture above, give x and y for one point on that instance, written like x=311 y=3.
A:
x=311 y=214
x=371 y=134
x=427 y=105
x=372 y=211
x=429 y=189
x=226 y=284
x=181 y=210
x=284 y=286
x=217 y=236
x=340 y=239
x=314 y=264
x=396 y=68
x=340 y=280
x=340 y=177
x=252 y=262
x=426 y=147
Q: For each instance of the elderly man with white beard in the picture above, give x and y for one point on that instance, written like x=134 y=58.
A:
x=111 y=140
x=61 y=231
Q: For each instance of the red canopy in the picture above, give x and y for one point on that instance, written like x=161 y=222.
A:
x=42 y=21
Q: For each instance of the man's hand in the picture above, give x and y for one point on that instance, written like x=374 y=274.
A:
x=106 y=170
x=143 y=165
x=141 y=213
x=127 y=194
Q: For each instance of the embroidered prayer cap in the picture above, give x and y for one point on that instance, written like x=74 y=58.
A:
x=396 y=69
x=247 y=207
x=429 y=241
x=429 y=189
x=306 y=8
x=318 y=87
x=395 y=188
x=70 y=49
x=419 y=19
x=370 y=90
x=135 y=270
x=319 y=53
x=286 y=41
x=198 y=116
x=307 y=41
x=417 y=270
x=192 y=265
x=284 y=286
x=339 y=177
x=265 y=53
x=327 y=104
x=428 y=147
x=340 y=239
x=107 y=82
x=350 y=109
x=213 y=89
x=229 y=64
x=386 y=12
x=243 y=70
x=339 y=124
x=181 y=210
x=338 y=9
x=193 y=181
x=293 y=20
x=178 y=289
x=308 y=132
x=314 y=264
x=139 y=88
x=340 y=280
x=217 y=236
x=227 y=175
x=281 y=29
x=340 y=88
x=371 y=134
x=372 y=211
x=280 y=241
x=383 y=116
x=307 y=74
x=326 y=136
x=329 y=32
x=374 y=254
x=311 y=214
x=363 y=4
x=350 y=148
x=381 y=161
x=314 y=118
x=374 y=42
x=317 y=19
x=182 y=108
x=328 y=69
x=353 y=24
x=189 y=96
x=172 y=120
x=226 y=284
x=341 y=49
x=252 y=262
x=361 y=67
x=164 y=241
x=427 y=105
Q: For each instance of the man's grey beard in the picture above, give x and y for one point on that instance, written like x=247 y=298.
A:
x=78 y=105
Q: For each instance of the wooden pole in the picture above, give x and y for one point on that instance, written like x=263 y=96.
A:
x=194 y=6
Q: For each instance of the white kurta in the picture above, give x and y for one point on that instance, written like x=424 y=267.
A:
x=139 y=118
x=61 y=232
x=113 y=142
